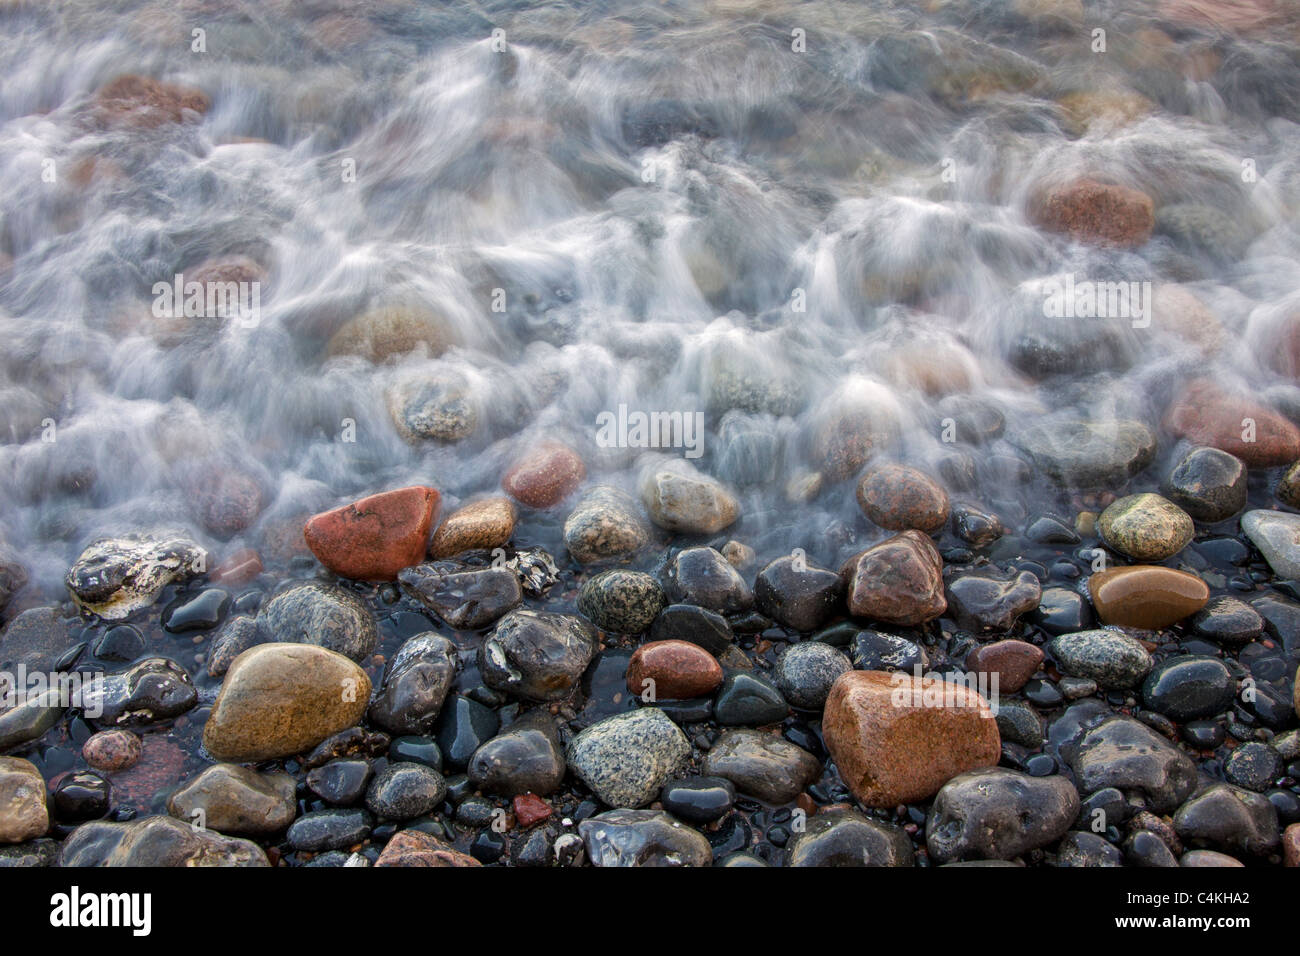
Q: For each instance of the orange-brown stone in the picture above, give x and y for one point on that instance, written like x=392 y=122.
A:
x=1096 y=213
x=896 y=738
x=1146 y=595
x=899 y=581
x=680 y=670
x=480 y=524
x=145 y=103
x=897 y=498
x=374 y=538
x=1207 y=415
x=1013 y=661
x=417 y=848
x=545 y=476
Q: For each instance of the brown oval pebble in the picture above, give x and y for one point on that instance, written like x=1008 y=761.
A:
x=480 y=524
x=897 y=498
x=545 y=476
x=111 y=750
x=680 y=670
x=1013 y=661
x=1146 y=595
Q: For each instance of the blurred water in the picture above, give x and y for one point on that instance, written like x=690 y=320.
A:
x=672 y=208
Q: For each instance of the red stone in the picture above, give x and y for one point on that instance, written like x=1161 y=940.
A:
x=545 y=476
x=530 y=809
x=1207 y=415
x=1097 y=213
x=374 y=538
x=238 y=568
x=898 y=581
x=680 y=670
x=145 y=103
x=1013 y=661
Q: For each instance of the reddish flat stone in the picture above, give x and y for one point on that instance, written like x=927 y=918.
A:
x=417 y=848
x=1096 y=213
x=1013 y=661
x=374 y=538
x=680 y=670
x=898 y=739
x=1207 y=415
x=545 y=476
x=530 y=809
x=239 y=568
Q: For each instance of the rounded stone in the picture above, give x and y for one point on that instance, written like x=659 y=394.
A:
x=845 y=837
x=484 y=524
x=1146 y=527
x=1146 y=596
x=319 y=614
x=544 y=476
x=233 y=799
x=537 y=655
x=1209 y=484
x=806 y=672
x=627 y=758
x=998 y=814
x=404 y=791
x=279 y=700
x=112 y=750
x=1114 y=660
x=897 y=498
x=673 y=670
x=1013 y=661
x=1188 y=687
x=606 y=523
x=624 y=602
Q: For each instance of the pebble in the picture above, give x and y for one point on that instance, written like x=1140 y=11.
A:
x=886 y=754
x=1019 y=723
x=529 y=811
x=686 y=622
x=156 y=841
x=1013 y=661
x=899 y=581
x=1277 y=536
x=404 y=791
x=111 y=750
x=151 y=690
x=798 y=594
x=463 y=726
x=976 y=526
x=672 y=670
x=323 y=615
x=238 y=635
x=998 y=814
x=642 y=838
x=341 y=782
x=992 y=600
x=703 y=577
x=805 y=672
x=1185 y=688
x=1146 y=596
x=1227 y=621
x=1146 y=527
x=23 y=812
x=897 y=497
x=283 y=699
x=120 y=644
x=1089 y=454
x=374 y=538
x=1208 y=484
x=845 y=837
x=1230 y=820
x=877 y=651
x=1208 y=858
x=418 y=848
x=466 y=598
x=761 y=765
x=1205 y=414
x=442 y=409
x=544 y=476
x=484 y=524
x=536 y=655
x=606 y=523
x=115 y=576
x=698 y=800
x=1122 y=753
x=233 y=799
x=524 y=758
x=391 y=330
x=624 y=602
x=1100 y=214
x=1253 y=766
x=415 y=684
x=323 y=830
x=748 y=700
x=1084 y=849
x=1114 y=660
x=688 y=502
x=626 y=759
x=1288 y=487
